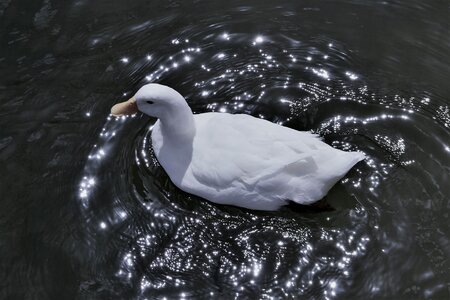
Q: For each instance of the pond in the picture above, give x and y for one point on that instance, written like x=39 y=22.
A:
x=87 y=212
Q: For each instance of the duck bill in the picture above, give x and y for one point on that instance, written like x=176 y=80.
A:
x=126 y=108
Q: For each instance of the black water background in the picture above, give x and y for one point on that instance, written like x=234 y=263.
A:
x=59 y=60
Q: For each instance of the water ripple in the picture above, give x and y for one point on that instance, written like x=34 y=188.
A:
x=177 y=245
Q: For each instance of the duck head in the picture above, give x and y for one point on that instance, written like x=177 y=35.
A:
x=164 y=103
x=155 y=100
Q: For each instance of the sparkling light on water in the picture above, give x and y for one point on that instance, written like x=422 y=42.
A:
x=258 y=40
x=228 y=245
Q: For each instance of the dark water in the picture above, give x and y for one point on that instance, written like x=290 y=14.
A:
x=86 y=211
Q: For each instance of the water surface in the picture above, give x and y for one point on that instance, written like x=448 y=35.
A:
x=87 y=212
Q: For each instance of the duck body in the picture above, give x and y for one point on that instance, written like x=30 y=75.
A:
x=249 y=162
x=237 y=159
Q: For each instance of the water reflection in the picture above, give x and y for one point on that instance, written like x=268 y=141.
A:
x=178 y=246
x=258 y=40
x=87 y=212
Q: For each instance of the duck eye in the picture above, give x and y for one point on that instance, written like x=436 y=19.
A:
x=150 y=102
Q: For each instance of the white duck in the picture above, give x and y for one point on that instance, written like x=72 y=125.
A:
x=237 y=159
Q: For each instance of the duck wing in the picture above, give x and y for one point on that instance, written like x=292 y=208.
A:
x=250 y=162
x=242 y=149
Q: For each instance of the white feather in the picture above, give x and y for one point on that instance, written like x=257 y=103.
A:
x=244 y=161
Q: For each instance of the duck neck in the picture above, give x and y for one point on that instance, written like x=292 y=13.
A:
x=178 y=126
